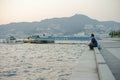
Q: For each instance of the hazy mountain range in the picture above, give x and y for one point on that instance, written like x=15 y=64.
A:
x=66 y=26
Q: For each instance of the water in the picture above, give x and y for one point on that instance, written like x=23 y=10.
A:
x=38 y=61
x=64 y=38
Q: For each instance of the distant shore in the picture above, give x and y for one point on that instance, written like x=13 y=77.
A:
x=109 y=39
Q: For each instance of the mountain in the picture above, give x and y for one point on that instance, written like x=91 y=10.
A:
x=59 y=27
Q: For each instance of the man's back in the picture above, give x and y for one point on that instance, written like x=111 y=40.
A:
x=94 y=41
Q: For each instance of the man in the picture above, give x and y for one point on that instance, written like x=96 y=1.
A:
x=93 y=42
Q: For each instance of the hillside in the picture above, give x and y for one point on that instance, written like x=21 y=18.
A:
x=59 y=27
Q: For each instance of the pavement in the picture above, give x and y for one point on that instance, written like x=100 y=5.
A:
x=111 y=53
x=99 y=65
x=86 y=68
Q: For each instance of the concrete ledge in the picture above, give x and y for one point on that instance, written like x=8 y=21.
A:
x=100 y=59
x=103 y=70
x=85 y=68
x=96 y=50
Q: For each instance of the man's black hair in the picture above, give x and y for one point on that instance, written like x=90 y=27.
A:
x=92 y=35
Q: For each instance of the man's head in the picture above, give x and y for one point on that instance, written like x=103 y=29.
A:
x=92 y=35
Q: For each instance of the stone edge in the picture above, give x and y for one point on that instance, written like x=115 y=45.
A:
x=104 y=72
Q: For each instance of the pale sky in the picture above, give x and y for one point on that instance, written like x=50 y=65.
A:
x=37 y=10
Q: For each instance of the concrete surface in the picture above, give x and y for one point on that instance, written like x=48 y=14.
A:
x=101 y=65
x=105 y=72
x=111 y=53
x=86 y=68
x=103 y=69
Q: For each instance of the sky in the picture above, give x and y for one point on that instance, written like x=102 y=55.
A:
x=37 y=10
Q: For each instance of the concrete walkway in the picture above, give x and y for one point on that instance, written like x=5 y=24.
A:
x=86 y=68
x=111 y=53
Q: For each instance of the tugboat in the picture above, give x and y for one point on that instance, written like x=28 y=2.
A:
x=38 y=40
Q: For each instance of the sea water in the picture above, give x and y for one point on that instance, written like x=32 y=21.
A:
x=64 y=38
x=38 y=61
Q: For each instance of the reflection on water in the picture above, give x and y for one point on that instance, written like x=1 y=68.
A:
x=38 y=61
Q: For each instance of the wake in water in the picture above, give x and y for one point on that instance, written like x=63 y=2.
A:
x=38 y=61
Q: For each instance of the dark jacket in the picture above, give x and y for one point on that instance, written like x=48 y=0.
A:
x=94 y=42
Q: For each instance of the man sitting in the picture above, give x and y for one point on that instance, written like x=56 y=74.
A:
x=93 y=42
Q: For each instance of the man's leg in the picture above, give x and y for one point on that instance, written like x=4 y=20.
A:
x=91 y=47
